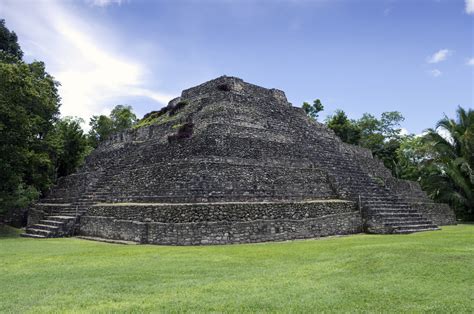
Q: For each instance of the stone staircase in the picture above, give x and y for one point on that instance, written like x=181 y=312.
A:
x=53 y=226
x=62 y=221
x=387 y=214
x=383 y=210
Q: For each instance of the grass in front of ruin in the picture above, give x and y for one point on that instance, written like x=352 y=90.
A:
x=430 y=271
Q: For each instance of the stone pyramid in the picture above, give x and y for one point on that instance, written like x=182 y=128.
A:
x=231 y=162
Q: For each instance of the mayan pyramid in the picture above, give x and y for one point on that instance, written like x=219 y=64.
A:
x=231 y=162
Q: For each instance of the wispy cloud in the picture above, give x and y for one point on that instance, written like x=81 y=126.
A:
x=103 y=3
x=435 y=73
x=81 y=55
x=470 y=6
x=439 y=56
x=470 y=62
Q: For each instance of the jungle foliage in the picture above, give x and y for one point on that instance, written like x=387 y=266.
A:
x=37 y=146
x=441 y=159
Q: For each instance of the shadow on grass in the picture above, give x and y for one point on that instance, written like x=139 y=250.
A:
x=9 y=232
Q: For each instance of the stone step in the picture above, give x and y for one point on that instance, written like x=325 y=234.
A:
x=51 y=222
x=415 y=225
x=32 y=230
x=390 y=219
x=51 y=228
x=394 y=212
x=387 y=206
x=409 y=229
x=397 y=217
x=381 y=199
x=67 y=212
x=36 y=236
x=64 y=218
x=408 y=222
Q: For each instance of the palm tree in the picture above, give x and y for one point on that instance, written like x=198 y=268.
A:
x=451 y=175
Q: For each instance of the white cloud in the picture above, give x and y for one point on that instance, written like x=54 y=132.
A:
x=404 y=132
x=470 y=62
x=81 y=55
x=439 y=56
x=435 y=72
x=470 y=6
x=103 y=3
x=445 y=134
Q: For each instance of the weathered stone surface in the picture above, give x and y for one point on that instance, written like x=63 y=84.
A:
x=229 y=162
x=347 y=220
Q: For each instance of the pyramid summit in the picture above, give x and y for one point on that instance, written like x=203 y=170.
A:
x=231 y=162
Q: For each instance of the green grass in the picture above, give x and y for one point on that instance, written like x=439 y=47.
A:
x=431 y=271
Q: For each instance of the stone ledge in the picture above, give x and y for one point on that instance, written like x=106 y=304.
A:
x=225 y=211
x=220 y=232
x=107 y=240
x=223 y=203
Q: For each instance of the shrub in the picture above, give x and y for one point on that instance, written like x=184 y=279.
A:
x=154 y=117
x=177 y=107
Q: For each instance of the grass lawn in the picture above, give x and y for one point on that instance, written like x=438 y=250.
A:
x=430 y=271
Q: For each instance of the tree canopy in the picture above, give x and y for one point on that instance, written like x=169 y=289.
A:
x=441 y=160
x=29 y=107
x=102 y=126
x=449 y=166
x=69 y=144
x=313 y=110
x=9 y=42
x=346 y=129
x=381 y=135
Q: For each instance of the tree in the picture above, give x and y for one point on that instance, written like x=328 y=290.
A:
x=451 y=165
x=9 y=42
x=313 y=110
x=101 y=128
x=412 y=155
x=29 y=105
x=70 y=145
x=35 y=145
x=121 y=118
x=382 y=136
x=344 y=128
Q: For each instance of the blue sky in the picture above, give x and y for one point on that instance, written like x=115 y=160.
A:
x=413 y=56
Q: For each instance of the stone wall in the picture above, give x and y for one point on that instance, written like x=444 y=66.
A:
x=193 y=224
x=229 y=211
x=35 y=215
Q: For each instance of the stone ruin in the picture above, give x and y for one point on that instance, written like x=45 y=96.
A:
x=231 y=162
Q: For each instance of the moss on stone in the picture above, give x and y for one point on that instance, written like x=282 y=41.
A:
x=177 y=126
x=154 y=120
